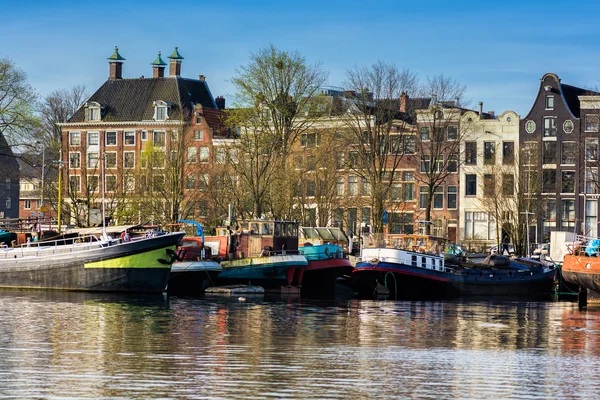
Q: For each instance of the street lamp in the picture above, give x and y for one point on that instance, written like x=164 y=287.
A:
x=527 y=213
x=43 y=166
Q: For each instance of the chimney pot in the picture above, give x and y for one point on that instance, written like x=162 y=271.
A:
x=480 y=107
x=202 y=77
x=403 y=102
x=220 y=101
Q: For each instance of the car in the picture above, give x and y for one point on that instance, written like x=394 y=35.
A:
x=494 y=250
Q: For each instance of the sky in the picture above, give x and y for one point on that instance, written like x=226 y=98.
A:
x=498 y=50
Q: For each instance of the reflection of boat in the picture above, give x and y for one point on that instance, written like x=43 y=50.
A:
x=87 y=263
x=194 y=270
x=581 y=266
x=414 y=274
x=324 y=251
x=259 y=252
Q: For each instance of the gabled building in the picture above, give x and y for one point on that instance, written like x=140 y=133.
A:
x=137 y=126
x=9 y=181
x=559 y=142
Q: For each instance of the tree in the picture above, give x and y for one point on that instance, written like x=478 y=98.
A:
x=440 y=135
x=17 y=104
x=374 y=127
x=277 y=94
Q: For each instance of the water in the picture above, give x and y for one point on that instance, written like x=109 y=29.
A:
x=78 y=345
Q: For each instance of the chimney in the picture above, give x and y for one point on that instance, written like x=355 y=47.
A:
x=491 y=113
x=202 y=77
x=220 y=100
x=403 y=102
x=480 y=108
x=175 y=63
x=115 y=63
x=158 y=67
x=434 y=99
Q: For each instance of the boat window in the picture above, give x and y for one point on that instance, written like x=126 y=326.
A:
x=254 y=228
x=278 y=229
x=414 y=261
x=423 y=262
x=267 y=228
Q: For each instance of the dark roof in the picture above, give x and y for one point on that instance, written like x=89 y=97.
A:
x=132 y=99
x=571 y=94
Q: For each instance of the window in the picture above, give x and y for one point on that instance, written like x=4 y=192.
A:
x=438 y=228
x=489 y=185
x=549 y=152
x=591 y=217
x=365 y=215
x=591 y=149
x=221 y=155
x=190 y=182
x=204 y=154
x=424 y=132
x=471 y=153
x=591 y=180
x=549 y=102
x=129 y=138
x=567 y=182
x=129 y=183
x=549 y=181
x=452 y=163
x=408 y=191
x=339 y=160
x=111 y=138
x=27 y=205
x=92 y=160
x=74 y=183
x=128 y=159
x=353 y=159
x=425 y=163
x=310 y=140
x=74 y=160
x=452 y=132
x=339 y=186
x=530 y=126
x=508 y=184
x=568 y=214
x=191 y=154
x=203 y=181
x=452 y=197
x=160 y=112
x=93 y=138
x=8 y=203
x=92 y=183
x=471 y=185
x=198 y=118
x=310 y=188
x=410 y=144
x=199 y=135
x=158 y=138
x=508 y=153
x=110 y=159
x=74 y=139
x=365 y=187
x=159 y=159
x=352 y=185
x=568 y=126
x=439 y=163
x=549 y=126
x=479 y=225
x=144 y=135
x=93 y=111
x=489 y=153
x=423 y=196
x=111 y=183
x=591 y=123
x=401 y=223
x=174 y=135
x=568 y=153
x=396 y=192
x=438 y=197
x=438 y=134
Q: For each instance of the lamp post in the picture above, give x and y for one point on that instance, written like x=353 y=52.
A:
x=43 y=166
x=527 y=213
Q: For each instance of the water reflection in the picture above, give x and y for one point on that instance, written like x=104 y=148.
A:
x=55 y=344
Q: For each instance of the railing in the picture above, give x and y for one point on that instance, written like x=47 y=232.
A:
x=584 y=245
x=397 y=256
x=51 y=247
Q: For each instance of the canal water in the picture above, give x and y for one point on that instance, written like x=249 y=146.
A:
x=76 y=345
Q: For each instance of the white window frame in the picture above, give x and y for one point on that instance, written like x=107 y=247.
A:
x=106 y=138
x=105 y=163
x=72 y=136
x=160 y=105
x=199 y=135
x=124 y=164
x=70 y=165
x=27 y=205
x=78 y=178
x=144 y=135
x=97 y=188
x=127 y=134
x=107 y=189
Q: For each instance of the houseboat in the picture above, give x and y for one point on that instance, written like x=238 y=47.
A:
x=581 y=264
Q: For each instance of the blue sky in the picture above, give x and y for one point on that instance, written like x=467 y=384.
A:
x=499 y=50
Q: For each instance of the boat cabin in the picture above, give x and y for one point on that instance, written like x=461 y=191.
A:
x=322 y=235
x=254 y=238
x=414 y=242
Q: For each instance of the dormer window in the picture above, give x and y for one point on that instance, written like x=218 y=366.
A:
x=93 y=111
x=160 y=110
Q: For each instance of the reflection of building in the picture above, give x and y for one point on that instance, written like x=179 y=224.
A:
x=559 y=136
x=489 y=171
x=9 y=181
x=139 y=127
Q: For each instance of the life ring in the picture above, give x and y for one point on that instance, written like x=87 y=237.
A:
x=374 y=261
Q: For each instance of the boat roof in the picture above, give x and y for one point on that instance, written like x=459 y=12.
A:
x=97 y=230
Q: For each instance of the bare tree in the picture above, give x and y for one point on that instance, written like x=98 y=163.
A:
x=277 y=93
x=375 y=128
x=440 y=134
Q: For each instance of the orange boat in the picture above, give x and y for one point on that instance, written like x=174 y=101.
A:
x=581 y=265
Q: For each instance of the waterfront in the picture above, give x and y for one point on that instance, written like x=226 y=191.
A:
x=79 y=345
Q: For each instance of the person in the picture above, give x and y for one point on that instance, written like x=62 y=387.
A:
x=505 y=243
x=125 y=236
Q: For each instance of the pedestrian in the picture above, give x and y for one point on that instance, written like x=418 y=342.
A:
x=505 y=246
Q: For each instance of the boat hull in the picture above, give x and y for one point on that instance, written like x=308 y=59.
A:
x=320 y=276
x=404 y=281
x=192 y=277
x=582 y=271
x=139 y=266
x=269 y=272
